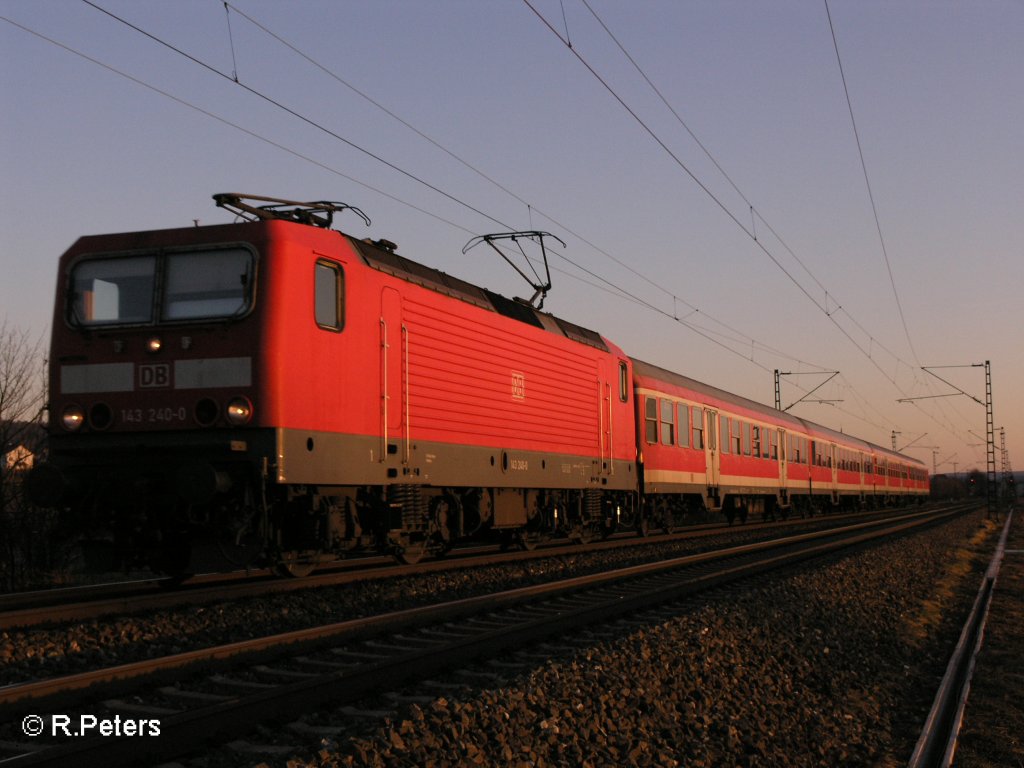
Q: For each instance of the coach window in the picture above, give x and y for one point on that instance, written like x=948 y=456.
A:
x=698 y=427
x=623 y=382
x=683 y=431
x=651 y=420
x=330 y=296
x=668 y=422
x=723 y=433
x=746 y=438
x=755 y=437
x=737 y=436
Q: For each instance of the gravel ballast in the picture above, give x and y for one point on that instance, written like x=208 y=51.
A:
x=84 y=646
x=829 y=666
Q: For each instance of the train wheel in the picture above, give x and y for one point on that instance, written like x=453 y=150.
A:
x=297 y=565
x=241 y=553
x=583 y=533
x=667 y=526
x=528 y=540
x=443 y=511
x=410 y=552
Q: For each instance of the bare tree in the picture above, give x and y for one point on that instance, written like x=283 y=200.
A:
x=25 y=533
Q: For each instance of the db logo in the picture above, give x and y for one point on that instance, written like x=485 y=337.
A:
x=154 y=375
x=518 y=385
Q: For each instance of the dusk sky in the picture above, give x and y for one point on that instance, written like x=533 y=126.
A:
x=756 y=249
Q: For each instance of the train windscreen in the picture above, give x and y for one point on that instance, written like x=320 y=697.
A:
x=193 y=285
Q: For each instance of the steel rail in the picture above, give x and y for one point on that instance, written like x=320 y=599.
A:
x=41 y=607
x=261 y=648
x=938 y=741
x=649 y=585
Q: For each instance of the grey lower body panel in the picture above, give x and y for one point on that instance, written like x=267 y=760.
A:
x=329 y=458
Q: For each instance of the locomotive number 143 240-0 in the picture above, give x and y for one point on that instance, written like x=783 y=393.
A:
x=153 y=415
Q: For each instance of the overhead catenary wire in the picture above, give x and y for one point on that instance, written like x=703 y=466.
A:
x=298 y=115
x=675 y=158
x=867 y=183
x=531 y=208
x=748 y=231
x=755 y=214
x=725 y=209
x=610 y=288
x=878 y=225
x=615 y=289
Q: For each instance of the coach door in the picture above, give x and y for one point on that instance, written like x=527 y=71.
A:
x=394 y=376
x=606 y=427
x=782 y=457
x=711 y=446
x=835 y=467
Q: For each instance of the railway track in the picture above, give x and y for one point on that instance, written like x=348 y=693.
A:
x=232 y=687
x=938 y=741
x=83 y=603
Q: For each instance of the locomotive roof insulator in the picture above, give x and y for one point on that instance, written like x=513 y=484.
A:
x=540 y=286
x=318 y=213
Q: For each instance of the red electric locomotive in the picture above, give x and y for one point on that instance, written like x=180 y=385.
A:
x=275 y=391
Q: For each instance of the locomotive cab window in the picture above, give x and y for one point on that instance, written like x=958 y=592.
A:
x=113 y=291
x=166 y=286
x=623 y=382
x=206 y=284
x=329 y=296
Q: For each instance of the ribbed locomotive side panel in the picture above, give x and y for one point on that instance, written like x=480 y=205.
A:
x=481 y=379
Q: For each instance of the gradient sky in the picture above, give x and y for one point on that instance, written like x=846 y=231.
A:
x=523 y=135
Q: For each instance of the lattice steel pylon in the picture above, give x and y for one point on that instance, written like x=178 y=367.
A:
x=990 y=440
x=1009 y=487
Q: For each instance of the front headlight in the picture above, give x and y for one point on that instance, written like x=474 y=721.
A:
x=239 y=411
x=72 y=418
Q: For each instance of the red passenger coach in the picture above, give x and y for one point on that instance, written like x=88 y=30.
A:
x=705 y=448
x=277 y=391
x=702 y=448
